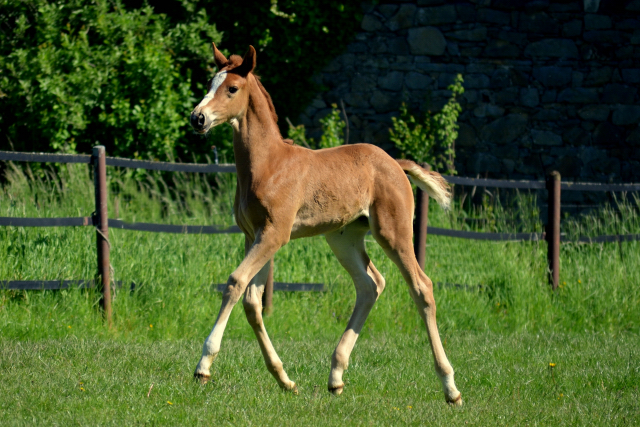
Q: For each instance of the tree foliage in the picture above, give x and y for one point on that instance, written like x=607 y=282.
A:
x=76 y=73
x=127 y=73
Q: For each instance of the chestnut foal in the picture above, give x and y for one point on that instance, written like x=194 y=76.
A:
x=286 y=192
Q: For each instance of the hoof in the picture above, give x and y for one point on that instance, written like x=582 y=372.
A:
x=456 y=402
x=202 y=378
x=336 y=391
x=292 y=387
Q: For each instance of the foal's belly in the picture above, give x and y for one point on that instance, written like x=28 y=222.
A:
x=310 y=223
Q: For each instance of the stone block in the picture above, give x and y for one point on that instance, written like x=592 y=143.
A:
x=476 y=81
x=626 y=115
x=548 y=115
x=633 y=6
x=483 y=163
x=593 y=21
x=363 y=83
x=384 y=102
x=536 y=6
x=426 y=41
x=605 y=36
x=597 y=112
x=501 y=49
x=417 y=81
x=616 y=93
x=391 y=81
x=437 y=15
x=607 y=134
x=452 y=49
x=378 y=46
x=529 y=97
x=475 y=67
x=488 y=110
x=403 y=18
x=578 y=95
x=479 y=33
x=549 y=95
x=466 y=12
x=634 y=137
x=471 y=96
x=398 y=46
x=471 y=52
x=508 y=4
x=357 y=100
x=624 y=52
x=387 y=10
x=357 y=47
x=553 y=76
x=552 y=48
x=577 y=78
x=371 y=23
x=545 y=137
x=539 y=22
x=631 y=75
x=494 y=17
x=598 y=76
x=507 y=96
x=572 y=28
x=505 y=129
x=501 y=78
x=569 y=166
x=520 y=39
x=628 y=24
x=576 y=136
x=466 y=136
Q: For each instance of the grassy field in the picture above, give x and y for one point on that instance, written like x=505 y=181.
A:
x=60 y=365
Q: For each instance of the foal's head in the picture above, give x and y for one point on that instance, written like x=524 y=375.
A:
x=228 y=93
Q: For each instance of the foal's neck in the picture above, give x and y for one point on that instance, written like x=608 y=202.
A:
x=256 y=137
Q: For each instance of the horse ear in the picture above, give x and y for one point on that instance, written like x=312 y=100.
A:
x=218 y=57
x=248 y=62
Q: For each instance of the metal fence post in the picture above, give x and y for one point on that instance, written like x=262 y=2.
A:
x=420 y=224
x=102 y=228
x=553 y=228
x=267 y=295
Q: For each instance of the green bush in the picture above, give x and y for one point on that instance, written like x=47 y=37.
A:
x=332 y=131
x=433 y=139
x=79 y=72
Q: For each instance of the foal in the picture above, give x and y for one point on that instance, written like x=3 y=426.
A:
x=286 y=192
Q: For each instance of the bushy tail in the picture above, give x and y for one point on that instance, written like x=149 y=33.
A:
x=431 y=182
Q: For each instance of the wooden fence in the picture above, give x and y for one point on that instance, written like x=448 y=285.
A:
x=102 y=223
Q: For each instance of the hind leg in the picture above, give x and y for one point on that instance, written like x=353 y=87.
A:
x=392 y=229
x=348 y=246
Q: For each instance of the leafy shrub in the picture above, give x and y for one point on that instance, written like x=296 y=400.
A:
x=332 y=131
x=433 y=139
x=80 y=72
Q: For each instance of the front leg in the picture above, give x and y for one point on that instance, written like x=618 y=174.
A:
x=258 y=254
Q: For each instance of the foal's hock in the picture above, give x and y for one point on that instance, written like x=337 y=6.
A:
x=286 y=191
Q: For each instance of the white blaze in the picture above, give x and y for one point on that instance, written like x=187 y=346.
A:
x=215 y=84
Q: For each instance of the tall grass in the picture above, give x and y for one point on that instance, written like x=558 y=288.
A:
x=480 y=286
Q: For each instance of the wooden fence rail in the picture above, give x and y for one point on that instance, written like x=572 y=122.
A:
x=102 y=223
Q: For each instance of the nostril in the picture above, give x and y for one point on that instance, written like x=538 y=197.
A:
x=201 y=120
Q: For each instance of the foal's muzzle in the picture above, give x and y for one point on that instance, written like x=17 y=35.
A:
x=198 y=121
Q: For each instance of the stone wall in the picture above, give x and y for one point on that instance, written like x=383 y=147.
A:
x=548 y=85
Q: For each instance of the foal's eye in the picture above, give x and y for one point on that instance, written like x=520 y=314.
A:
x=233 y=89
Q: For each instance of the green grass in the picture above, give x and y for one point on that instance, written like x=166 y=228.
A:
x=500 y=333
